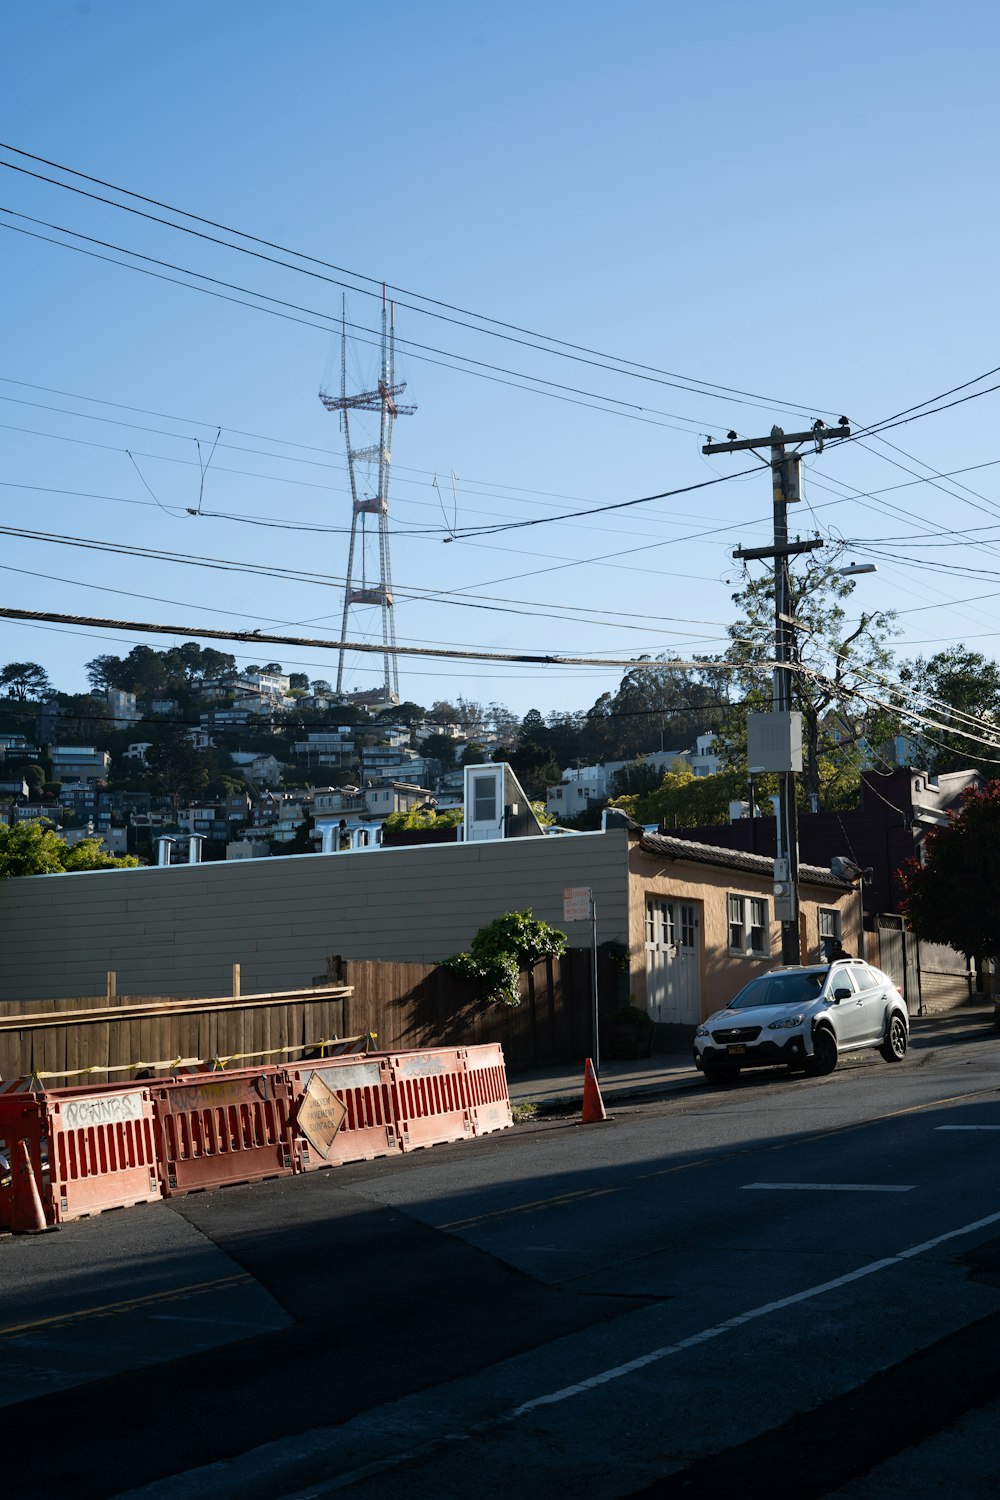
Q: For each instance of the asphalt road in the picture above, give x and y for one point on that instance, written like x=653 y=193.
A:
x=788 y=1287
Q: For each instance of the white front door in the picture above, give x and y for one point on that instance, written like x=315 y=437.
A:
x=673 y=962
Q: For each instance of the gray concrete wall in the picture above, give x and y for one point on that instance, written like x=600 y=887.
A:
x=179 y=930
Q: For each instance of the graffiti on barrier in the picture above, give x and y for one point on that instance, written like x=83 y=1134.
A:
x=108 y=1110
x=418 y=1067
x=209 y=1095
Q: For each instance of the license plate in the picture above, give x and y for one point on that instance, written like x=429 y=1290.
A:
x=736 y=1051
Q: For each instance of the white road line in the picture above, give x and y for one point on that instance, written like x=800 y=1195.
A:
x=825 y=1187
x=605 y=1377
x=967 y=1127
x=211 y=1322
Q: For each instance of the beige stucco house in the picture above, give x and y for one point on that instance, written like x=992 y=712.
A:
x=701 y=922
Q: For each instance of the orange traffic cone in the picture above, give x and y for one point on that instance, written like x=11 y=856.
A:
x=27 y=1215
x=593 y=1104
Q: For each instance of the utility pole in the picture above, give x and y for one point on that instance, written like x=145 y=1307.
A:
x=783 y=737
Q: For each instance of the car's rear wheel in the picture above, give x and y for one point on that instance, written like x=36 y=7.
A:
x=721 y=1075
x=825 y=1053
x=893 y=1049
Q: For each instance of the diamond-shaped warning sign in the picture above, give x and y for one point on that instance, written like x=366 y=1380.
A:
x=320 y=1115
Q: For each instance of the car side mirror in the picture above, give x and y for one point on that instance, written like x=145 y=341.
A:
x=842 y=994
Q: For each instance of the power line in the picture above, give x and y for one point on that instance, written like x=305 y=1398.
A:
x=894 y=418
x=889 y=424
x=306 y=447
x=425 y=531
x=271 y=522
x=554 y=394
x=451 y=653
x=703 y=484
x=408 y=591
x=312 y=312
x=500 y=329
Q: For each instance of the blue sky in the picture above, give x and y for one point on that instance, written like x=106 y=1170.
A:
x=783 y=199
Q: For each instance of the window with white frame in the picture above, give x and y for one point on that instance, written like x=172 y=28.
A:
x=484 y=795
x=749 y=931
x=829 y=930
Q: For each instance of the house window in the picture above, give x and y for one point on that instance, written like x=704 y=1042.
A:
x=749 y=932
x=829 y=930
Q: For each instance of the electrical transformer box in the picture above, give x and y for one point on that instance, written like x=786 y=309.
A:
x=774 y=742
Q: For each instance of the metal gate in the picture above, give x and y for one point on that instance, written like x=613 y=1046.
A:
x=898 y=958
x=673 y=962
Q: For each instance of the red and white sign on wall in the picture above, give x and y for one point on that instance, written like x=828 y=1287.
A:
x=576 y=903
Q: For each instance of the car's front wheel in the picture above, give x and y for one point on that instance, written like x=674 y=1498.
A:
x=893 y=1049
x=825 y=1053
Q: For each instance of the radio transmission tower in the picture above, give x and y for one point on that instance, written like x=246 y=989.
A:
x=368 y=556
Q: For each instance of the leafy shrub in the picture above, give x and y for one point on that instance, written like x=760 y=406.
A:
x=501 y=949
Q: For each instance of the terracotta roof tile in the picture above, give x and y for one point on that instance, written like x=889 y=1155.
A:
x=733 y=859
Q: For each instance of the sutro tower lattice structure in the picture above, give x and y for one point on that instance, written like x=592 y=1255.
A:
x=376 y=461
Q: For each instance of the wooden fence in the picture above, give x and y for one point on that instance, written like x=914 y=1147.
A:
x=424 y=1005
x=407 y=1005
x=121 y=1036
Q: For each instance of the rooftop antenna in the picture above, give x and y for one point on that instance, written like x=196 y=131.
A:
x=368 y=552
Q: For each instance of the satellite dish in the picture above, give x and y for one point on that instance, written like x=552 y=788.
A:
x=847 y=869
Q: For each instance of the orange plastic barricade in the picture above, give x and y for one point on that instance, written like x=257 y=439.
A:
x=431 y=1097
x=342 y=1112
x=488 y=1094
x=217 y=1128
x=89 y=1149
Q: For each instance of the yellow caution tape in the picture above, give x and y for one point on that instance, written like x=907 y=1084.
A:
x=215 y=1063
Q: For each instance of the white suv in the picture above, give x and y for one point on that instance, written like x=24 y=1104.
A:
x=803 y=1018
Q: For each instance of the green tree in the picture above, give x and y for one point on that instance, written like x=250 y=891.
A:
x=504 y=724
x=24 y=679
x=684 y=800
x=439 y=748
x=954 y=897
x=150 y=673
x=178 y=767
x=83 y=719
x=189 y=665
x=656 y=707
x=843 y=663
x=955 y=682
x=103 y=672
x=401 y=713
x=301 y=842
x=36 y=849
x=535 y=767
x=34 y=776
x=143 y=672
x=638 y=778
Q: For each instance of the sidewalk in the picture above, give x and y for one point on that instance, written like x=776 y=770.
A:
x=559 y=1086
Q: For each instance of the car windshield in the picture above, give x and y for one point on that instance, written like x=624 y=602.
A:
x=779 y=989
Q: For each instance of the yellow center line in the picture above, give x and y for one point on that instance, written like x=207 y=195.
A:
x=560 y=1199
x=110 y=1309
